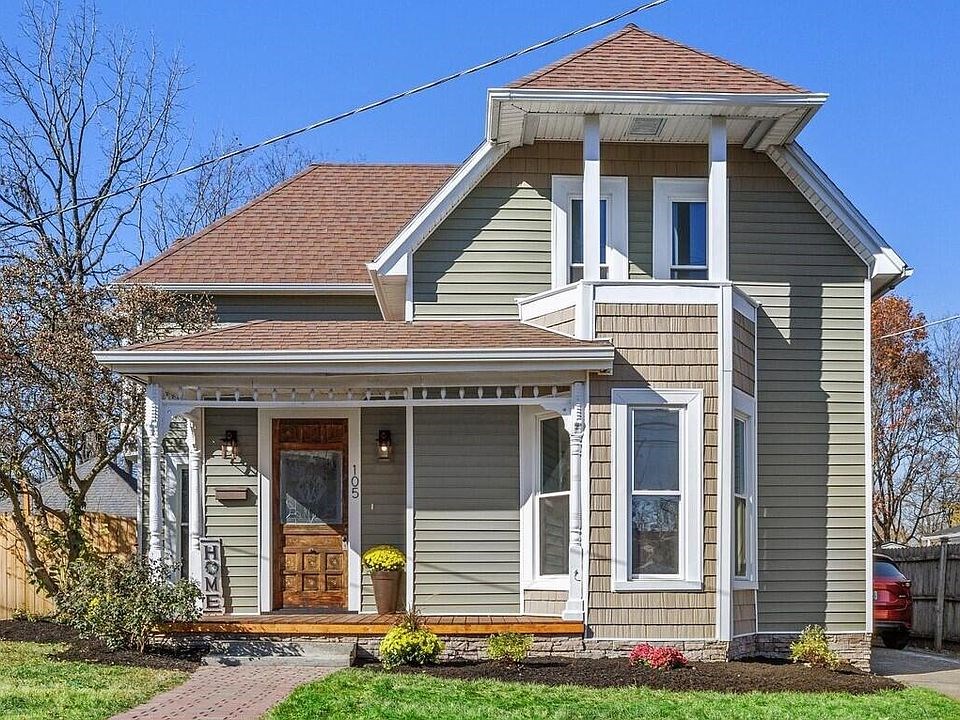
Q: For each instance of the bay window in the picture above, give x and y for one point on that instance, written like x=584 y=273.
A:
x=657 y=491
x=744 y=491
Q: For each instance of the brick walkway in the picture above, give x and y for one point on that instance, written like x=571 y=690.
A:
x=225 y=693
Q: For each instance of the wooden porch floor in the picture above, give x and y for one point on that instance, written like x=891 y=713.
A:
x=328 y=624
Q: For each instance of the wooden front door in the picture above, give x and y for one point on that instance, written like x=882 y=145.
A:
x=310 y=513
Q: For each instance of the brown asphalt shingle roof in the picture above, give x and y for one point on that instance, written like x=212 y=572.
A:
x=267 y=335
x=320 y=226
x=636 y=60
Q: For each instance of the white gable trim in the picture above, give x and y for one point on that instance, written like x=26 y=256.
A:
x=886 y=267
x=391 y=261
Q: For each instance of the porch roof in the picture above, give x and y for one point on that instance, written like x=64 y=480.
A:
x=351 y=346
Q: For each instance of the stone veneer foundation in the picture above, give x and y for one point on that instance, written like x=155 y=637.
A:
x=852 y=647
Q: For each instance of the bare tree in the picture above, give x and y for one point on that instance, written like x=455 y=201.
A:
x=218 y=188
x=87 y=121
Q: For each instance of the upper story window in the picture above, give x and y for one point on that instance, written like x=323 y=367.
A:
x=567 y=229
x=680 y=248
x=657 y=518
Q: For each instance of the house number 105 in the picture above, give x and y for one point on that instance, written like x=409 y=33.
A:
x=355 y=484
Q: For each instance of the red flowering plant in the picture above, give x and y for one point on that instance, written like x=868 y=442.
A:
x=658 y=658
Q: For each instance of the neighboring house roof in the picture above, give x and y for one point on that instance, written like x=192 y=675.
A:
x=320 y=226
x=333 y=335
x=945 y=532
x=113 y=492
x=637 y=60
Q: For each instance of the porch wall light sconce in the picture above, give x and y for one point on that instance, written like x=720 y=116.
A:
x=229 y=445
x=384 y=446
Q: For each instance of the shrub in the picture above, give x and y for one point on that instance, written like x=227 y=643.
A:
x=658 y=658
x=409 y=642
x=121 y=600
x=509 y=646
x=812 y=649
x=384 y=557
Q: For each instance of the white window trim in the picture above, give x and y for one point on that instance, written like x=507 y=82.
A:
x=667 y=191
x=690 y=403
x=614 y=189
x=531 y=579
x=745 y=408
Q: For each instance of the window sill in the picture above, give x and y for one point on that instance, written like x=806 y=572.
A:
x=561 y=582
x=745 y=584
x=655 y=584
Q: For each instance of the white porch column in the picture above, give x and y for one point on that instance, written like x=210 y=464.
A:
x=195 y=495
x=153 y=422
x=575 y=425
x=717 y=207
x=591 y=197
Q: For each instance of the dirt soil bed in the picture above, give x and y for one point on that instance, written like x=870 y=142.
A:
x=759 y=675
x=93 y=651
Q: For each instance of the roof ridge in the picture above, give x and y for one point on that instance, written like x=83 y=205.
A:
x=179 y=245
x=385 y=164
x=633 y=28
x=711 y=56
x=537 y=74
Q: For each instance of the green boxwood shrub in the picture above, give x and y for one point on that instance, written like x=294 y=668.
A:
x=121 y=600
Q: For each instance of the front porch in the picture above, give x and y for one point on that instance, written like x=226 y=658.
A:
x=370 y=624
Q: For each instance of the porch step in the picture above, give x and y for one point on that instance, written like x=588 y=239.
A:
x=311 y=653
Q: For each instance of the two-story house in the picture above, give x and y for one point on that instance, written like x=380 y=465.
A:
x=606 y=381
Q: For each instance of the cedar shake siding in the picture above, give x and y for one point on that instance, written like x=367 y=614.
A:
x=467 y=509
x=744 y=612
x=744 y=347
x=663 y=347
x=235 y=522
x=810 y=392
x=562 y=321
x=544 y=602
x=383 y=491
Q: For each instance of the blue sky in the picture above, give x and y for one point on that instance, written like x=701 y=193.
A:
x=887 y=136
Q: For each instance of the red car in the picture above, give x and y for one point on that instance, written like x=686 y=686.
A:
x=892 y=603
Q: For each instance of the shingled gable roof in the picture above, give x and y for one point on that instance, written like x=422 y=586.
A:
x=319 y=227
x=637 y=60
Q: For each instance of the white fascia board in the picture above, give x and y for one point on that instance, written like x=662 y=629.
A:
x=675 y=98
x=267 y=288
x=138 y=362
x=886 y=266
x=391 y=260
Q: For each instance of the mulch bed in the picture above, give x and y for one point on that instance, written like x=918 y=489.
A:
x=93 y=651
x=760 y=675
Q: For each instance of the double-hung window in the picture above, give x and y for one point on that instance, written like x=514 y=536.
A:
x=568 y=254
x=680 y=243
x=545 y=500
x=744 y=491
x=657 y=489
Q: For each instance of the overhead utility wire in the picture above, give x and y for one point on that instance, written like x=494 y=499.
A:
x=349 y=113
x=920 y=327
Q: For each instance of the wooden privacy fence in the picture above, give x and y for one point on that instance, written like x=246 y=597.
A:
x=934 y=574
x=108 y=534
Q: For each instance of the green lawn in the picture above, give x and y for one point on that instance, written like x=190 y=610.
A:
x=359 y=694
x=34 y=686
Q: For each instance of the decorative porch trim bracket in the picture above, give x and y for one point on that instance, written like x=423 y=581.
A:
x=575 y=422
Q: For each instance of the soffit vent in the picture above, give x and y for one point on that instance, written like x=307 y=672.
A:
x=645 y=126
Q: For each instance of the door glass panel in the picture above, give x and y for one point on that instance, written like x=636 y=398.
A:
x=311 y=487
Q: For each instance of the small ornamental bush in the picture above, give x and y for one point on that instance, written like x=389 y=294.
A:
x=813 y=650
x=658 y=658
x=509 y=646
x=120 y=601
x=409 y=642
x=384 y=557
